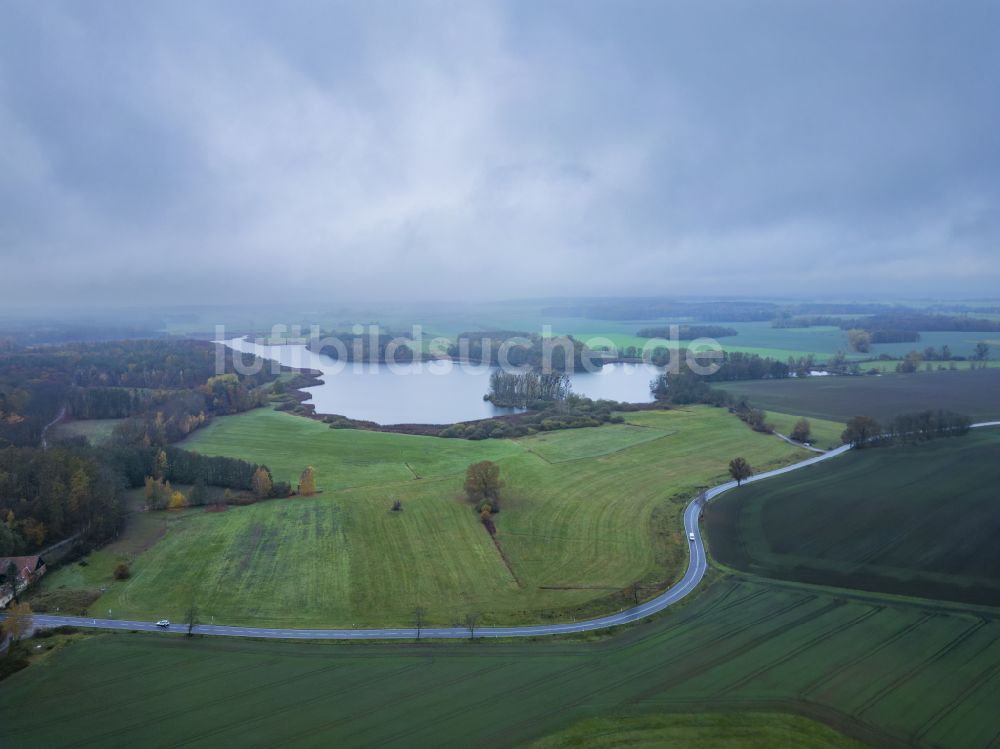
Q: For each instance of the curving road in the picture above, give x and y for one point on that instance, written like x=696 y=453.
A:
x=695 y=572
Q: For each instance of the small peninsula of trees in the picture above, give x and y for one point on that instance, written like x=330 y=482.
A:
x=520 y=390
x=371 y=346
x=572 y=413
x=688 y=332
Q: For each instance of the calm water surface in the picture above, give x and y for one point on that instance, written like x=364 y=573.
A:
x=429 y=392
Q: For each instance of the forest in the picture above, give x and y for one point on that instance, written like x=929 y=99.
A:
x=372 y=346
x=118 y=379
x=510 y=348
x=164 y=389
x=688 y=332
x=525 y=389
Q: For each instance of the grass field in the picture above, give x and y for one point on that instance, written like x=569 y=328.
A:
x=918 y=520
x=976 y=393
x=825 y=434
x=95 y=431
x=890 y=673
x=586 y=513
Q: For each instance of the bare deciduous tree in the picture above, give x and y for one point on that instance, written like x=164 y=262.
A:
x=471 y=620
x=419 y=614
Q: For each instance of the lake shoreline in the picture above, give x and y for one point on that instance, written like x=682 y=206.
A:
x=311 y=377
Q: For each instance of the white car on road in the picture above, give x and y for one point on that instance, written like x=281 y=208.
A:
x=163 y=623
x=690 y=537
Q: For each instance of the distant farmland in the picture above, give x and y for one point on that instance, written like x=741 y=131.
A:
x=976 y=393
x=888 y=672
x=919 y=520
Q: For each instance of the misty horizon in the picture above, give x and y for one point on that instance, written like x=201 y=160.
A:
x=180 y=155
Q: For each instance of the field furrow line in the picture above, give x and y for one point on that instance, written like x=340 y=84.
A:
x=971 y=687
x=831 y=675
x=314 y=730
x=912 y=672
x=729 y=655
x=809 y=644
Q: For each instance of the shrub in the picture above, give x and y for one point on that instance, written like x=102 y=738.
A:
x=122 y=572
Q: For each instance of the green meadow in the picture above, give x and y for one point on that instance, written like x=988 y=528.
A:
x=585 y=514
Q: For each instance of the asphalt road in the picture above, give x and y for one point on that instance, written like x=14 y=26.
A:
x=695 y=572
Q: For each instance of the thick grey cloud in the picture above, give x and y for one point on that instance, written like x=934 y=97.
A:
x=205 y=151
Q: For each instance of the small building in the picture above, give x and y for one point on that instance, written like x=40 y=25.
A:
x=26 y=571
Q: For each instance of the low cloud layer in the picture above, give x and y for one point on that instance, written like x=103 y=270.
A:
x=186 y=153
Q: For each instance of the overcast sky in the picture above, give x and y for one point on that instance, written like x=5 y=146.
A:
x=197 y=151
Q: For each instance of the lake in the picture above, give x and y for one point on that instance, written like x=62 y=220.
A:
x=439 y=392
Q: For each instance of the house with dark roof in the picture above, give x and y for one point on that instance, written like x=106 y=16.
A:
x=17 y=573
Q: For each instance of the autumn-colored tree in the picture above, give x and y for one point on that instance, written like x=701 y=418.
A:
x=307 y=482
x=157 y=493
x=161 y=465
x=122 y=572
x=740 y=470
x=79 y=490
x=177 y=501
x=34 y=530
x=801 y=431
x=859 y=340
x=483 y=483
x=18 y=621
x=262 y=483
x=861 y=430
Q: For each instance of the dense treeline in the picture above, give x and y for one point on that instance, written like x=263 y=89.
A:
x=887 y=325
x=654 y=309
x=688 y=332
x=47 y=495
x=709 y=311
x=926 y=425
x=169 y=386
x=912 y=361
x=863 y=431
x=805 y=321
x=741 y=366
x=572 y=413
x=686 y=387
x=737 y=365
x=558 y=353
x=894 y=336
x=680 y=388
x=180 y=466
x=25 y=409
x=111 y=402
x=916 y=321
x=372 y=346
x=153 y=364
x=521 y=390
x=185 y=411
